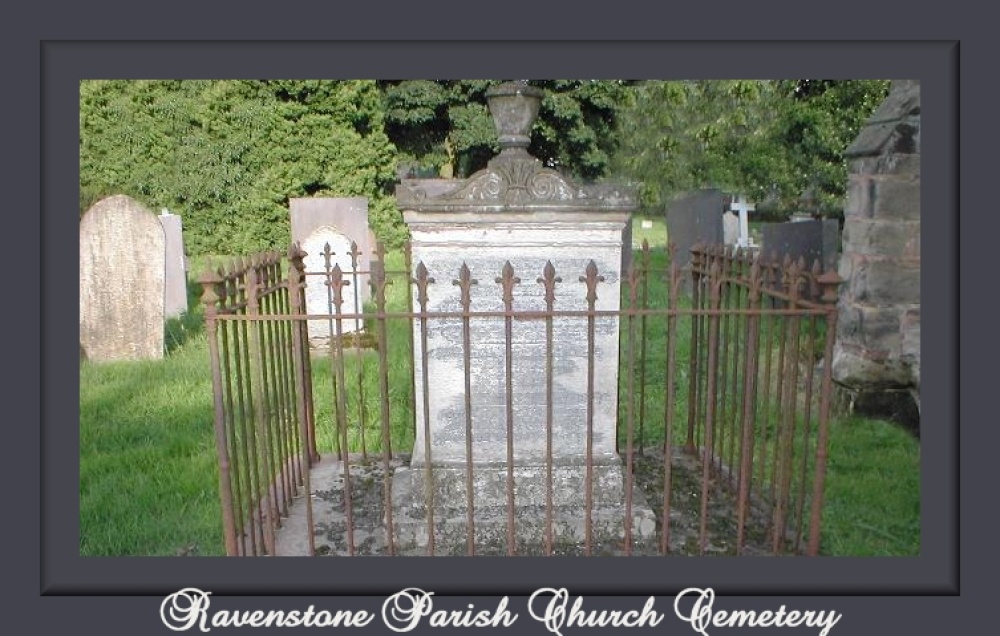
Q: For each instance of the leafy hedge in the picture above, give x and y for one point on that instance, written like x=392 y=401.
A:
x=228 y=154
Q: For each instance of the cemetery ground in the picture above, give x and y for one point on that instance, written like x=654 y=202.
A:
x=149 y=473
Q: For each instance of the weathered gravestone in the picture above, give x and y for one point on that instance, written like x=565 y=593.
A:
x=810 y=240
x=508 y=222
x=122 y=272
x=327 y=248
x=730 y=228
x=696 y=218
x=339 y=222
x=175 y=300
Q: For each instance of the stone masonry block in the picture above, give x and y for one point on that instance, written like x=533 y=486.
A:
x=860 y=194
x=886 y=282
x=874 y=329
x=906 y=165
x=896 y=198
x=876 y=237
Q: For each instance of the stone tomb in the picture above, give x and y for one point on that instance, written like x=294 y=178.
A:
x=122 y=272
x=519 y=212
x=316 y=221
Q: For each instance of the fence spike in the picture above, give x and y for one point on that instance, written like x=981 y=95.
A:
x=465 y=281
x=355 y=253
x=548 y=280
x=591 y=278
x=422 y=280
x=507 y=280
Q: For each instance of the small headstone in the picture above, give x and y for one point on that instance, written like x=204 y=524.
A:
x=730 y=229
x=695 y=218
x=319 y=296
x=647 y=224
x=175 y=301
x=122 y=272
x=338 y=221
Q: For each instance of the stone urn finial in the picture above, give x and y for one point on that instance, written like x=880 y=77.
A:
x=514 y=106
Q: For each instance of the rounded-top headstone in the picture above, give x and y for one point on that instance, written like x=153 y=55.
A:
x=122 y=278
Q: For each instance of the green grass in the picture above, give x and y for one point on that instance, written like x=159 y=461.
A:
x=655 y=236
x=147 y=456
x=148 y=467
x=872 y=503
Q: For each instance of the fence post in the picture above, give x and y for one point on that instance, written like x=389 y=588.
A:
x=300 y=355
x=830 y=283
x=549 y=280
x=693 y=380
x=211 y=295
x=748 y=421
x=591 y=278
x=715 y=299
x=378 y=282
x=788 y=401
x=465 y=281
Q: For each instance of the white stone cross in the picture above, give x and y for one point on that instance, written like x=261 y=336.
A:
x=741 y=206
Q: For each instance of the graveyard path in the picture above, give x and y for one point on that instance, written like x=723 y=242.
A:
x=368 y=511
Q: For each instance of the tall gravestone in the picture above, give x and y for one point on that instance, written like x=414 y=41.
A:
x=696 y=217
x=122 y=277
x=175 y=300
x=338 y=222
x=514 y=212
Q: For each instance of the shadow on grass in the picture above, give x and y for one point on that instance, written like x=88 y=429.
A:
x=189 y=324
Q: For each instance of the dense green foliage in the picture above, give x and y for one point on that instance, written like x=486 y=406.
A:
x=780 y=142
x=227 y=155
x=443 y=128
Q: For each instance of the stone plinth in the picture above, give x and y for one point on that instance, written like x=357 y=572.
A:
x=519 y=213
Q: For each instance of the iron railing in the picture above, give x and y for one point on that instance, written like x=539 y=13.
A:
x=727 y=377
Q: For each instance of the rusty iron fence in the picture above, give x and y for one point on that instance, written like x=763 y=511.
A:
x=733 y=376
x=262 y=396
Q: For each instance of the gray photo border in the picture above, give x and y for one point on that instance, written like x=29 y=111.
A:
x=93 y=587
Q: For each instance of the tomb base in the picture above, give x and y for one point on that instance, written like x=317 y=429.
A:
x=448 y=492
